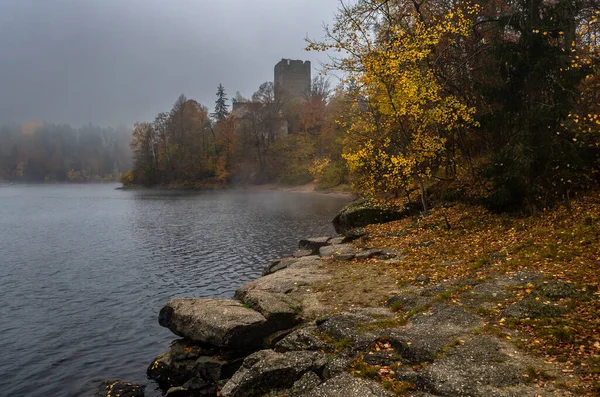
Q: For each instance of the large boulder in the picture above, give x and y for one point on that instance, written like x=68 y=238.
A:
x=345 y=385
x=266 y=371
x=366 y=212
x=217 y=322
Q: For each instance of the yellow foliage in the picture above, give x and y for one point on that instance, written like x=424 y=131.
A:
x=401 y=118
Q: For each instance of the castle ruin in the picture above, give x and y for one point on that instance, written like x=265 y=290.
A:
x=293 y=78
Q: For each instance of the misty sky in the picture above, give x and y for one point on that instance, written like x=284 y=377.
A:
x=113 y=62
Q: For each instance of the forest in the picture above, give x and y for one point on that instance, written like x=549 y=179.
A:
x=40 y=152
x=494 y=100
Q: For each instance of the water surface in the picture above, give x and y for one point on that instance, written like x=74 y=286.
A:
x=84 y=271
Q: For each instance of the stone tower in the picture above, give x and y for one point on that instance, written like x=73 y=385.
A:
x=293 y=78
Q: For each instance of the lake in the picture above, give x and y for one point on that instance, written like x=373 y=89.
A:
x=84 y=271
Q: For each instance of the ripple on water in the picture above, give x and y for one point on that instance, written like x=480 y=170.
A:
x=85 y=270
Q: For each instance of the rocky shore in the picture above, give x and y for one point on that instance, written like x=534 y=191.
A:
x=278 y=337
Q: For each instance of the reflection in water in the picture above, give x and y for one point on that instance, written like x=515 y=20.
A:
x=84 y=271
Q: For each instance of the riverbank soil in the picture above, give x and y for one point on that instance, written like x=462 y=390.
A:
x=455 y=302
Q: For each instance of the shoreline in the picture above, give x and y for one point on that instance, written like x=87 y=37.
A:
x=333 y=319
x=308 y=188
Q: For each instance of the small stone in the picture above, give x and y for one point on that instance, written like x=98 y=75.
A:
x=336 y=240
x=313 y=244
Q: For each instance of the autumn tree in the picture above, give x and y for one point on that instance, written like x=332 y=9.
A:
x=402 y=118
x=145 y=158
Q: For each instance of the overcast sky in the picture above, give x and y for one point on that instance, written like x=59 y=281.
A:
x=113 y=62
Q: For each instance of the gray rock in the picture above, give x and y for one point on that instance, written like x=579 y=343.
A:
x=556 y=289
x=370 y=253
x=338 y=251
x=284 y=263
x=336 y=240
x=488 y=293
x=478 y=368
x=302 y=272
x=350 y=327
x=406 y=374
x=429 y=333
x=218 y=322
x=302 y=339
x=186 y=361
x=119 y=388
x=534 y=306
x=366 y=212
x=313 y=244
x=309 y=381
x=408 y=301
x=280 y=310
x=200 y=387
x=277 y=265
x=300 y=262
x=266 y=371
x=354 y=234
x=337 y=364
x=302 y=253
x=345 y=385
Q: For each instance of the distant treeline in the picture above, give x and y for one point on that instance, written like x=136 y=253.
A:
x=271 y=137
x=36 y=152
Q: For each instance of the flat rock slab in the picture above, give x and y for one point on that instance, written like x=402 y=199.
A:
x=338 y=251
x=300 y=273
x=267 y=370
x=534 y=307
x=479 y=368
x=218 y=322
x=486 y=294
x=346 y=385
x=284 y=263
x=429 y=333
x=351 y=326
